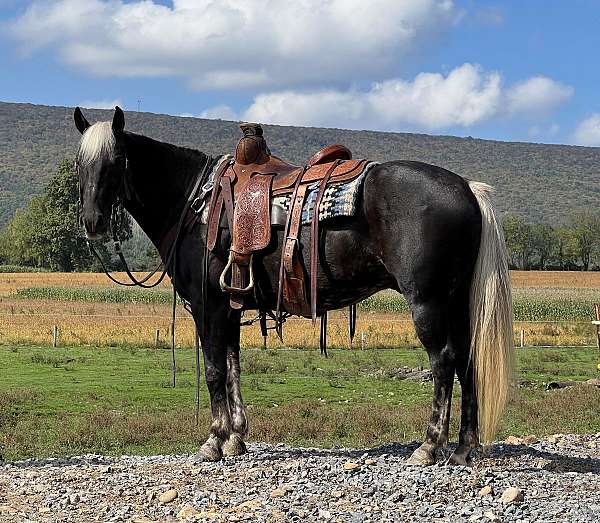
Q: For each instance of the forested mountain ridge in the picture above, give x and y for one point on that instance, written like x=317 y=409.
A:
x=541 y=183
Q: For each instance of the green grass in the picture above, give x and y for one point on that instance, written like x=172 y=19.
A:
x=20 y=268
x=120 y=400
x=97 y=294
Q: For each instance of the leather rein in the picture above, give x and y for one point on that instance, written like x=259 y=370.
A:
x=193 y=202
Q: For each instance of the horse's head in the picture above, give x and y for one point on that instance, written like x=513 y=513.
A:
x=101 y=165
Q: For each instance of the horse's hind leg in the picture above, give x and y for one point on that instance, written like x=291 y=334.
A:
x=431 y=323
x=468 y=438
x=234 y=445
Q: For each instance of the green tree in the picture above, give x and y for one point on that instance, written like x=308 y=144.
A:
x=586 y=232
x=566 y=247
x=47 y=233
x=543 y=242
x=519 y=243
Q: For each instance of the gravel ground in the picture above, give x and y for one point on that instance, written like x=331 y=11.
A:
x=556 y=479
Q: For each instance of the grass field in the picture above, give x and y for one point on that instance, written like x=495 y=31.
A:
x=120 y=399
x=107 y=388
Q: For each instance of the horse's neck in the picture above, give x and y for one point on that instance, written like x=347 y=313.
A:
x=160 y=176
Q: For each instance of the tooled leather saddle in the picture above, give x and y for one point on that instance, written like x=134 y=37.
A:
x=244 y=186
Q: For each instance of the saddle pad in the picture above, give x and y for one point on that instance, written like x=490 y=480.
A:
x=339 y=199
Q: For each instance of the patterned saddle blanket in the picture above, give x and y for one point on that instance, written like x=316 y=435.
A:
x=338 y=200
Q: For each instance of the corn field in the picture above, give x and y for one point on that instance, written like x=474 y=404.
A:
x=88 y=309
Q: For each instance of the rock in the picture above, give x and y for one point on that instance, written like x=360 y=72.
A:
x=529 y=440
x=278 y=493
x=593 y=381
x=351 y=466
x=513 y=440
x=491 y=516
x=486 y=491
x=188 y=511
x=251 y=504
x=336 y=493
x=512 y=495
x=168 y=496
x=74 y=499
x=370 y=461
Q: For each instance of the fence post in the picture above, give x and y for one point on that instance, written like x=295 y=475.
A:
x=157 y=339
x=55 y=336
x=597 y=323
x=522 y=338
x=362 y=340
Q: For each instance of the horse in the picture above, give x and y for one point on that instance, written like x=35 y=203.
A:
x=419 y=229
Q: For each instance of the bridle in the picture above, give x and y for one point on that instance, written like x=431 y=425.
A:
x=194 y=201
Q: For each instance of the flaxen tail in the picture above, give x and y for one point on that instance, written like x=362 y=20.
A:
x=492 y=349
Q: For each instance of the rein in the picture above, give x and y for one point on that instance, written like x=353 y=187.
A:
x=191 y=200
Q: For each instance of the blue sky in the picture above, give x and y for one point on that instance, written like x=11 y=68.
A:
x=511 y=70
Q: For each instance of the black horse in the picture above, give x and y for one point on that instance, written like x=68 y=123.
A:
x=420 y=229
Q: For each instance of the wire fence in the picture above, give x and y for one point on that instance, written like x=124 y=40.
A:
x=154 y=330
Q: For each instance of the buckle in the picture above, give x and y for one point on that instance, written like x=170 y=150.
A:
x=197 y=205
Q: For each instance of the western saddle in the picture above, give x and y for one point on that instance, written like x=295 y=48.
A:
x=244 y=186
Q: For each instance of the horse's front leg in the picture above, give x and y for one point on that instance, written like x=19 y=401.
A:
x=234 y=446
x=214 y=346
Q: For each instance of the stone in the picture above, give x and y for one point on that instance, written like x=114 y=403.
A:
x=187 y=512
x=278 y=493
x=351 y=466
x=486 y=491
x=491 y=516
x=512 y=495
x=513 y=440
x=251 y=504
x=370 y=461
x=529 y=440
x=168 y=496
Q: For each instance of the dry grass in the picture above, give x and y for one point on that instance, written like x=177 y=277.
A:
x=301 y=422
x=555 y=279
x=97 y=323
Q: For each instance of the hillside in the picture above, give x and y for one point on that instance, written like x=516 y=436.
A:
x=540 y=182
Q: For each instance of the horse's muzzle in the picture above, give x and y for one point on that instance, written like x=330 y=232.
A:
x=95 y=226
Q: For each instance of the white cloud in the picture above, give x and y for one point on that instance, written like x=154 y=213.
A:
x=219 y=112
x=101 y=104
x=466 y=96
x=537 y=94
x=588 y=131
x=235 y=43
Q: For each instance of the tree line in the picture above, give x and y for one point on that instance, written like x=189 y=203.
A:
x=572 y=246
x=46 y=234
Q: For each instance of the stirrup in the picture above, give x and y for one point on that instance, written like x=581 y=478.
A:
x=233 y=290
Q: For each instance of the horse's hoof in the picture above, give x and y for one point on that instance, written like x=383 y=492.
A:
x=208 y=452
x=421 y=457
x=234 y=446
x=460 y=459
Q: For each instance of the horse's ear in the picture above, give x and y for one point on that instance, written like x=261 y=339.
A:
x=118 y=123
x=80 y=121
